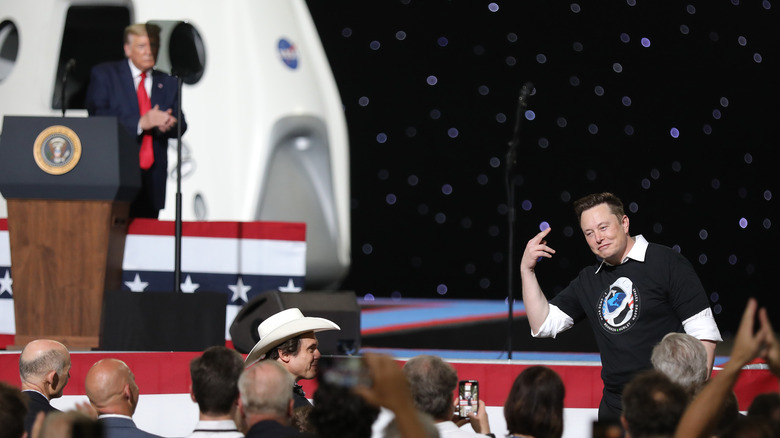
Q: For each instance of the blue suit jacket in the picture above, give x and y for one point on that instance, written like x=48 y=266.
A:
x=111 y=92
x=115 y=427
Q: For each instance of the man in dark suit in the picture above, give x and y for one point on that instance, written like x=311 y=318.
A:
x=111 y=389
x=44 y=368
x=266 y=401
x=148 y=113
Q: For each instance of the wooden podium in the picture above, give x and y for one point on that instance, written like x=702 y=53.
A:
x=68 y=183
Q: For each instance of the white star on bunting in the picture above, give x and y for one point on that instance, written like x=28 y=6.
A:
x=188 y=286
x=6 y=282
x=239 y=291
x=291 y=287
x=137 y=285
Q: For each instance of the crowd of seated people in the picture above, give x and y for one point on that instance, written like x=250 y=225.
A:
x=258 y=399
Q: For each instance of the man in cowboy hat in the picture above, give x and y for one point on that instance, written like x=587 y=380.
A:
x=289 y=338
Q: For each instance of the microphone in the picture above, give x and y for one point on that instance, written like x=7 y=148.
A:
x=525 y=91
x=522 y=103
x=69 y=67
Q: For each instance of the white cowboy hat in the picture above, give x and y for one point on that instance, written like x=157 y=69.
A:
x=284 y=325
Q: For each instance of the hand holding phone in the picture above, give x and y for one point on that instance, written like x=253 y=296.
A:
x=347 y=371
x=468 y=397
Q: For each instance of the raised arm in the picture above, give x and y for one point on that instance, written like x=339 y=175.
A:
x=536 y=306
x=700 y=418
x=772 y=350
x=391 y=390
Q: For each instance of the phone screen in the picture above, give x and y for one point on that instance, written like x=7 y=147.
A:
x=344 y=370
x=468 y=397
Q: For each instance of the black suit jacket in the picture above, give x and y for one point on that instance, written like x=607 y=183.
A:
x=36 y=402
x=299 y=397
x=272 y=429
x=111 y=92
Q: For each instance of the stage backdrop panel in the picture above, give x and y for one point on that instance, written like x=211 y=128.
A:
x=239 y=259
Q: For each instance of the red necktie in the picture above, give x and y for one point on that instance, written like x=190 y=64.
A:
x=146 y=154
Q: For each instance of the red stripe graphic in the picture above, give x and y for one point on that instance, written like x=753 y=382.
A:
x=292 y=231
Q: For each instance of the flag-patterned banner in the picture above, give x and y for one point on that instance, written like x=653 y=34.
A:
x=239 y=259
x=7 y=321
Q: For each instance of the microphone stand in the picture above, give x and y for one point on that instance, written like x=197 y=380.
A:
x=68 y=67
x=62 y=92
x=177 y=233
x=511 y=164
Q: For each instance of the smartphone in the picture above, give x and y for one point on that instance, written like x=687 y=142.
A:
x=468 y=397
x=345 y=371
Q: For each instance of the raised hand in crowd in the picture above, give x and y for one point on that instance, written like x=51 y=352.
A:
x=700 y=419
x=390 y=389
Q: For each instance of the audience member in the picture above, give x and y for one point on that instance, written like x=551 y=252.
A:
x=652 y=405
x=70 y=424
x=390 y=389
x=44 y=368
x=340 y=413
x=13 y=409
x=767 y=406
x=266 y=401
x=215 y=389
x=683 y=359
x=750 y=427
x=111 y=388
x=289 y=338
x=701 y=416
x=534 y=406
x=432 y=382
x=729 y=415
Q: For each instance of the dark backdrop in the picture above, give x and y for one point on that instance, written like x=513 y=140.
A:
x=670 y=105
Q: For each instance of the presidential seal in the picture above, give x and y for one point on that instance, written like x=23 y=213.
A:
x=619 y=306
x=57 y=150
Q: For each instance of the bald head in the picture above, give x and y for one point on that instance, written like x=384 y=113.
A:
x=44 y=366
x=111 y=387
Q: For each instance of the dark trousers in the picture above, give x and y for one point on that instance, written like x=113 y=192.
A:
x=610 y=408
x=143 y=204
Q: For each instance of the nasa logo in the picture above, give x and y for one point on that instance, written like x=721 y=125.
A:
x=619 y=306
x=288 y=53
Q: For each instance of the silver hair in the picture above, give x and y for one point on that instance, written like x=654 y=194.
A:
x=683 y=359
x=266 y=388
x=432 y=381
x=38 y=367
